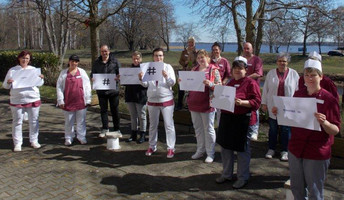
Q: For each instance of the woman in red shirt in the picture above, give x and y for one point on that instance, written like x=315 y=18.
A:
x=309 y=150
x=233 y=128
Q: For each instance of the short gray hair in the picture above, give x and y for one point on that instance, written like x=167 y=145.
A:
x=283 y=55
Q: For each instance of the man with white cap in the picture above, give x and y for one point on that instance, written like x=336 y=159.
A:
x=234 y=126
x=310 y=150
x=326 y=83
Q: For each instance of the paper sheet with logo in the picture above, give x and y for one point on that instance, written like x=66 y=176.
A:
x=129 y=76
x=26 y=78
x=152 y=71
x=104 y=82
x=224 y=98
x=191 y=81
x=297 y=112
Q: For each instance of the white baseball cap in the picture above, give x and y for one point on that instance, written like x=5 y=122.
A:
x=241 y=59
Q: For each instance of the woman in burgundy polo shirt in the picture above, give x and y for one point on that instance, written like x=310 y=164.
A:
x=309 y=150
x=233 y=128
x=201 y=113
x=73 y=89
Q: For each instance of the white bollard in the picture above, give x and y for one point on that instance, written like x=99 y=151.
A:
x=113 y=144
x=112 y=140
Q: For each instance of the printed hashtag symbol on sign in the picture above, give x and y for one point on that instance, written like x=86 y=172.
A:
x=106 y=81
x=151 y=70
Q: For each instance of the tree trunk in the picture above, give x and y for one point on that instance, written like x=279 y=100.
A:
x=18 y=31
x=250 y=28
x=260 y=31
x=94 y=33
x=237 y=30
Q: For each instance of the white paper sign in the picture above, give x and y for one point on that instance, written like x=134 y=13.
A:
x=297 y=112
x=152 y=71
x=130 y=76
x=224 y=98
x=104 y=82
x=26 y=78
x=192 y=81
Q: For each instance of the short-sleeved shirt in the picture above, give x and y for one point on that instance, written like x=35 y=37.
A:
x=246 y=89
x=74 y=92
x=223 y=67
x=255 y=65
x=310 y=144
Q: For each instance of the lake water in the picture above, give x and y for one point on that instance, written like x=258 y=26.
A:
x=232 y=47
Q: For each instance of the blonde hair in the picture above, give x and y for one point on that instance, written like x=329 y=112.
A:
x=136 y=53
x=203 y=52
x=191 y=39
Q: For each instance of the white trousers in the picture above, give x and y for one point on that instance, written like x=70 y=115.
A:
x=167 y=113
x=137 y=113
x=17 y=122
x=78 y=116
x=203 y=124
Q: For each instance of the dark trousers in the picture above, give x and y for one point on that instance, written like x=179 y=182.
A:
x=113 y=100
x=180 y=98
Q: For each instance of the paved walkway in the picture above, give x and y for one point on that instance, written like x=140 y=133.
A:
x=93 y=172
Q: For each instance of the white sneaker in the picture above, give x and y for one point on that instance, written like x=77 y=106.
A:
x=284 y=156
x=254 y=136
x=270 y=154
x=209 y=159
x=35 y=145
x=103 y=133
x=17 y=147
x=82 y=141
x=68 y=142
x=197 y=155
x=114 y=134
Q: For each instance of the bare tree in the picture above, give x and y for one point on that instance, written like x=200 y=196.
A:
x=337 y=26
x=90 y=9
x=167 y=22
x=221 y=34
x=186 y=30
x=55 y=16
x=248 y=16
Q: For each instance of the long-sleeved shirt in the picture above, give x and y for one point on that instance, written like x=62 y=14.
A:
x=162 y=91
x=21 y=95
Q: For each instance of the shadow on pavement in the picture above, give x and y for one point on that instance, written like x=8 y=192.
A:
x=134 y=183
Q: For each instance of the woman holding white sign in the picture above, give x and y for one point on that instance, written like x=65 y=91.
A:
x=160 y=99
x=233 y=128
x=282 y=81
x=310 y=150
x=23 y=100
x=73 y=89
x=201 y=113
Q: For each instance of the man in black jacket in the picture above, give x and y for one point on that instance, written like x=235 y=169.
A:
x=107 y=64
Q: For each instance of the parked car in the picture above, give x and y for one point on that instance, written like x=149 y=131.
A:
x=335 y=53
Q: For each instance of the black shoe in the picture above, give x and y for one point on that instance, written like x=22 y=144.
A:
x=133 y=136
x=142 y=138
x=239 y=184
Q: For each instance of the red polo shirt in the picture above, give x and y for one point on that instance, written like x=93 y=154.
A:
x=310 y=144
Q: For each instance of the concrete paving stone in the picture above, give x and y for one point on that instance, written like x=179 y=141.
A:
x=92 y=172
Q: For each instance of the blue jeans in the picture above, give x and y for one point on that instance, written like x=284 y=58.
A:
x=273 y=134
x=253 y=129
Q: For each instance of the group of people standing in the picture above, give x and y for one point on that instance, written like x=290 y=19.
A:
x=308 y=151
